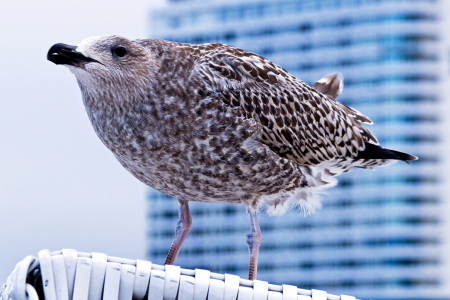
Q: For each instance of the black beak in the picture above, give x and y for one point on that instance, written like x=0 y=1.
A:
x=62 y=54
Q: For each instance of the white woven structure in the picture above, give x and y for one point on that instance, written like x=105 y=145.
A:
x=72 y=275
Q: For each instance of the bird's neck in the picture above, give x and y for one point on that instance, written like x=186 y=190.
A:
x=114 y=118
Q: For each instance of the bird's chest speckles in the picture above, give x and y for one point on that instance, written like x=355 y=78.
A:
x=127 y=131
x=193 y=148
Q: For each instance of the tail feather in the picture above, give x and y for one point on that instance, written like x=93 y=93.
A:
x=376 y=152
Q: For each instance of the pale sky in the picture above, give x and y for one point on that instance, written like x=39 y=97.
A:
x=59 y=185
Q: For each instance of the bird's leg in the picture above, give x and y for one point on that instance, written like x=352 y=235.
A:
x=253 y=242
x=184 y=225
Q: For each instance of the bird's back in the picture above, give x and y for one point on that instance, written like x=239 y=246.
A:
x=297 y=122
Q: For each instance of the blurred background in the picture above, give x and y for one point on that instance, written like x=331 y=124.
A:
x=381 y=235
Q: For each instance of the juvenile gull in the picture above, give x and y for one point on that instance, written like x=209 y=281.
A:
x=215 y=123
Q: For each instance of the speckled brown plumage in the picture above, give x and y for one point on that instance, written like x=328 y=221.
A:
x=216 y=123
x=297 y=122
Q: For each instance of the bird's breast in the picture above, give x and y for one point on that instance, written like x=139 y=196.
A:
x=200 y=151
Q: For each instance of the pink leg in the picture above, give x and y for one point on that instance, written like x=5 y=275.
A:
x=253 y=242
x=184 y=225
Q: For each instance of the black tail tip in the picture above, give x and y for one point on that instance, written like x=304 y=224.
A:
x=404 y=156
x=376 y=152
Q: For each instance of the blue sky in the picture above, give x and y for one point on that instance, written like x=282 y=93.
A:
x=59 y=186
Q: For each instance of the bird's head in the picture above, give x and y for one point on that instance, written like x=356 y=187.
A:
x=107 y=67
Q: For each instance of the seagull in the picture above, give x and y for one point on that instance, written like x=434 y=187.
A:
x=215 y=123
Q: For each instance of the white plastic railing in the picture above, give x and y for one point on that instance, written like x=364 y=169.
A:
x=72 y=275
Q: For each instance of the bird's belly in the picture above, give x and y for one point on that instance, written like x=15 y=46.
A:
x=217 y=157
x=193 y=172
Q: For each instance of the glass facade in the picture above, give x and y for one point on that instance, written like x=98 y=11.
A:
x=381 y=234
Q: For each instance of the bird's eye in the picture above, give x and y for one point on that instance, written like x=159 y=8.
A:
x=120 y=51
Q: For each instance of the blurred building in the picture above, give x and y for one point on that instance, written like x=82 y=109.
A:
x=382 y=234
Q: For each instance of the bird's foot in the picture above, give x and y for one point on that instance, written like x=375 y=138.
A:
x=181 y=232
x=253 y=243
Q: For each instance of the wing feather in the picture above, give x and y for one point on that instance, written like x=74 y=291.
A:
x=298 y=122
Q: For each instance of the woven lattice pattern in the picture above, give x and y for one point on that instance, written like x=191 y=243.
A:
x=72 y=275
x=6 y=289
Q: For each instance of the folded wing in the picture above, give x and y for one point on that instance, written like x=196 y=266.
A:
x=298 y=122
